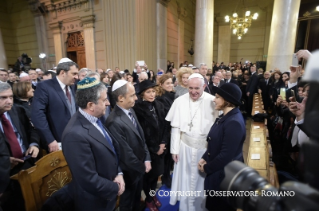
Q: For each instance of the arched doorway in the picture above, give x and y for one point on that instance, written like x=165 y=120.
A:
x=76 y=49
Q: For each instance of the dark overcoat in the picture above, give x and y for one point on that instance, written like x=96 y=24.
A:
x=155 y=133
x=225 y=144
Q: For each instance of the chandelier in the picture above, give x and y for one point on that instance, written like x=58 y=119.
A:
x=240 y=24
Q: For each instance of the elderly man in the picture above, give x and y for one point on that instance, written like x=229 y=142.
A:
x=82 y=73
x=191 y=117
x=96 y=176
x=203 y=72
x=34 y=78
x=54 y=104
x=228 y=78
x=19 y=140
x=24 y=77
x=142 y=77
x=135 y=157
x=214 y=82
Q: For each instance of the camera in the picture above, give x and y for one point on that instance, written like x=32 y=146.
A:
x=290 y=196
x=23 y=63
x=239 y=177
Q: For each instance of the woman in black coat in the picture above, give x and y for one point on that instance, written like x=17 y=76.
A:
x=23 y=93
x=166 y=95
x=225 y=143
x=151 y=116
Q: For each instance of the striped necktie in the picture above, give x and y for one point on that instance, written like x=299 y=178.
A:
x=133 y=119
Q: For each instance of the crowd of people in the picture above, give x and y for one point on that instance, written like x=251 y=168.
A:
x=120 y=131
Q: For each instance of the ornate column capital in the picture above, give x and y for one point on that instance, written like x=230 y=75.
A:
x=88 y=21
x=164 y=2
x=55 y=27
x=181 y=12
x=36 y=7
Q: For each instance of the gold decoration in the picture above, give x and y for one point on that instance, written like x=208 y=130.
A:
x=54 y=162
x=57 y=181
x=306 y=14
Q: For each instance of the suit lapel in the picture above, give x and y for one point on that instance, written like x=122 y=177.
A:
x=60 y=92
x=16 y=122
x=94 y=132
x=126 y=120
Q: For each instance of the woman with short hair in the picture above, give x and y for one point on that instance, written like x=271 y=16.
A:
x=23 y=93
x=182 y=78
x=166 y=95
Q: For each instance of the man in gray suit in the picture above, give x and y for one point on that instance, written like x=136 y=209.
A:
x=135 y=158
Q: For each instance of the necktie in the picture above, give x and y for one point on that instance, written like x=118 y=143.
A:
x=133 y=119
x=107 y=137
x=266 y=81
x=67 y=93
x=11 y=137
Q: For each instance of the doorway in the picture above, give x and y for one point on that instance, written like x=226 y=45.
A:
x=76 y=49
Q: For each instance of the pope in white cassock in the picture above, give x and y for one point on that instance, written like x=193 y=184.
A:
x=191 y=117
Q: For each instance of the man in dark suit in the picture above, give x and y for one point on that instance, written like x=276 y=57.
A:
x=228 y=78
x=135 y=158
x=34 y=78
x=17 y=139
x=92 y=152
x=264 y=87
x=203 y=72
x=4 y=168
x=251 y=89
x=54 y=103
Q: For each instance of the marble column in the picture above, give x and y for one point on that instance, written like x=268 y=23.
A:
x=161 y=29
x=3 y=58
x=204 y=30
x=224 y=38
x=41 y=31
x=182 y=14
x=180 y=42
x=282 y=34
x=42 y=39
x=57 y=38
x=89 y=41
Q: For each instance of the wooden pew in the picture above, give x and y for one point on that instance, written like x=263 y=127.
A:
x=259 y=152
x=39 y=182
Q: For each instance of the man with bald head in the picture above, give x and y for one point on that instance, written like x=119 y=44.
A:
x=191 y=117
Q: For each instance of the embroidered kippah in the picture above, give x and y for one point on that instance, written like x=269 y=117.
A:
x=87 y=83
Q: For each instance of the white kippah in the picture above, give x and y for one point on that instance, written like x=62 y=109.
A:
x=195 y=75
x=23 y=74
x=65 y=60
x=38 y=70
x=190 y=65
x=118 y=84
x=122 y=72
x=108 y=70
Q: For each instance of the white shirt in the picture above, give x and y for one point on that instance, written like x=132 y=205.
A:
x=62 y=85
